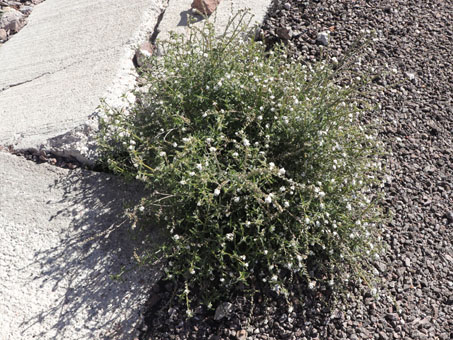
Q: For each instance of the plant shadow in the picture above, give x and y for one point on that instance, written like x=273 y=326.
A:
x=93 y=264
x=189 y=17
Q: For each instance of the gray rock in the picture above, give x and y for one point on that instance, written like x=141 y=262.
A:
x=323 y=38
x=12 y=20
x=26 y=10
x=223 y=310
x=410 y=75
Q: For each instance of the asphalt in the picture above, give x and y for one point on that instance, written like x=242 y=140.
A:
x=63 y=233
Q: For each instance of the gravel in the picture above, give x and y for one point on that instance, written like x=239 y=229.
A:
x=22 y=8
x=409 y=60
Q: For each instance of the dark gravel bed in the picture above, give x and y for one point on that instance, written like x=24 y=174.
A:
x=411 y=62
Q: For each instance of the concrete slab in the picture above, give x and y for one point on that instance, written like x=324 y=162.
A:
x=179 y=12
x=62 y=234
x=69 y=55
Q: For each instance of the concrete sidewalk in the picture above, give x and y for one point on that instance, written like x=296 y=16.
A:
x=62 y=235
x=70 y=54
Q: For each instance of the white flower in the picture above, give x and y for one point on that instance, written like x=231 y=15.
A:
x=271 y=165
x=162 y=154
x=322 y=206
x=192 y=271
x=176 y=237
x=282 y=171
x=246 y=142
x=222 y=279
x=132 y=142
x=260 y=117
x=229 y=236
x=182 y=182
x=311 y=285
x=199 y=166
x=212 y=149
x=235 y=154
x=142 y=208
x=266 y=252
x=236 y=199
x=175 y=144
x=348 y=206
x=191 y=173
x=268 y=199
x=217 y=192
x=307 y=220
x=322 y=194
x=286 y=204
x=282 y=189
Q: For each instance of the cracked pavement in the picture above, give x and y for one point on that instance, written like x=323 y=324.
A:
x=54 y=72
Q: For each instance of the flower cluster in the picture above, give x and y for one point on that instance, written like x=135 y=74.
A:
x=258 y=168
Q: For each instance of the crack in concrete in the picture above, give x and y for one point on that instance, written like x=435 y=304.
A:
x=156 y=30
x=37 y=77
x=24 y=82
x=59 y=159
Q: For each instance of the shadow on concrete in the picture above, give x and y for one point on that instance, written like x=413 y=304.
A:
x=98 y=245
x=189 y=16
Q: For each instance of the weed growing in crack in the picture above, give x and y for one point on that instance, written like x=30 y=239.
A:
x=260 y=173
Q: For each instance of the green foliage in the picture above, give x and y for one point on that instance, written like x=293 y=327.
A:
x=259 y=170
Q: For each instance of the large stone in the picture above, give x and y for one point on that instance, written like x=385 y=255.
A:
x=206 y=7
x=12 y=20
x=143 y=52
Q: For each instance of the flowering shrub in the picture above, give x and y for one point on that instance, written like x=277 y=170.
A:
x=259 y=171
